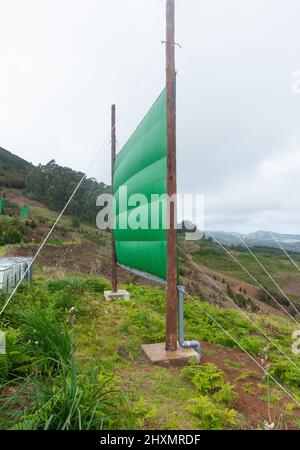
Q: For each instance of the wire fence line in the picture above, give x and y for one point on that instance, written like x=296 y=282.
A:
x=85 y=203
x=198 y=304
x=264 y=225
x=99 y=152
x=239 y=308
x=284 y=250
x=254 y=279
x=41 y=246
x=249 y=112
x=275 y=195
x=269 y=275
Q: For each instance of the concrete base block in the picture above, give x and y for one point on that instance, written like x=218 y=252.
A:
x=157 y=354
x=120 y=294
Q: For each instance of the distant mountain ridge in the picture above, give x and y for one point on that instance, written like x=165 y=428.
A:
x=259 y=238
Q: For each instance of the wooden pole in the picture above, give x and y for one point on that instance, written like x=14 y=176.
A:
x=172 y=295
x=114 y=281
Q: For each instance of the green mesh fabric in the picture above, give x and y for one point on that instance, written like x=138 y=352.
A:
x=141 y=166
x=24 y=213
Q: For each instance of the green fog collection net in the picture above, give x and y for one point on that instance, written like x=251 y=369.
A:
x=24 y=213
x=141 y=167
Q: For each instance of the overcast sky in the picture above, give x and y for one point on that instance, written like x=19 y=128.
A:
x=62 y=64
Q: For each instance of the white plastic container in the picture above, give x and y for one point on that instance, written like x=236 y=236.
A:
x=13 y=269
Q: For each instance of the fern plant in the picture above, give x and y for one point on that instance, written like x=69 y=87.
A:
x=212 y=417
x=225 y=394
x=205 y=377
x=16 y=361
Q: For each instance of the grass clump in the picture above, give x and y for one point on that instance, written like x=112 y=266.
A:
x=143 y=326
x=71 y=401
x=48 y=338
x=40 y=378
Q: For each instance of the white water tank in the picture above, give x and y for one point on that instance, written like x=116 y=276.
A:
x=13 y=269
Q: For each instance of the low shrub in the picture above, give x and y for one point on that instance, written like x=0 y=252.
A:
x=55 y=241
x=211 y=416
x=285 y=372
x=147 y=329
x=205 y=377
x=225 y=394
x=12 y=232
x=96 y=284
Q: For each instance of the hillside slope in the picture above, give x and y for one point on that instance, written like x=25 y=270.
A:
x=13 y=169
x=227 y=390
x=234 y=278
x=67 y=273
x=82 y=248
x=52 y=185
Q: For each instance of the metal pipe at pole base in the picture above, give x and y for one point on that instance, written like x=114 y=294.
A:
x=184 y=344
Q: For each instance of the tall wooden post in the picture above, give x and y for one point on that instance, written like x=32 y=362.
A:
x=114 y=281
x=172 y=295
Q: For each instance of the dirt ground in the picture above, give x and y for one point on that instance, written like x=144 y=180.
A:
x=85 y=258
x=251 y=388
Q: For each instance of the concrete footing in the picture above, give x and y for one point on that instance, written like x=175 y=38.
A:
x=121 y=294
x=157 y=354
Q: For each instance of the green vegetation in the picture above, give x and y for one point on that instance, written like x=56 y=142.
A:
x=13 y=170
x=284 y=372
x=74 y=361
x=211 y=406
x=211 y=255
x=12 y=231
x=70 y=401
x=50 y=389
x=53 y=185
x=212 y=416
x=206 y=378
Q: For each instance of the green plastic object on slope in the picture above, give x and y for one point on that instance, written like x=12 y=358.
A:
x=24 y=213
x=1 y=206
x=141 y=167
